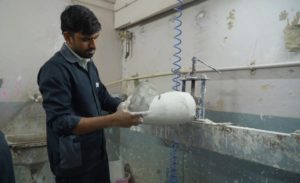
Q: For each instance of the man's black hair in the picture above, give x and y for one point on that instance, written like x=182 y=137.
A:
x=77 y=18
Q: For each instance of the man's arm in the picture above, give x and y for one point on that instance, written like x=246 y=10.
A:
x=55 y=87
x=119 y=119
x=108 y=102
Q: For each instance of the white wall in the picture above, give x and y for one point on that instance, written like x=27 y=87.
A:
x=226 y=34
x=30 y=34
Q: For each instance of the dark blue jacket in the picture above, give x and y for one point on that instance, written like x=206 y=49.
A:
x=6 y=164
x=69 y=93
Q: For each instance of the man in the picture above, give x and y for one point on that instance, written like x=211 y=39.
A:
x=6 y=165
x=74 y=99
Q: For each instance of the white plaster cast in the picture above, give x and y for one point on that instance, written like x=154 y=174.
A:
x=171 y=108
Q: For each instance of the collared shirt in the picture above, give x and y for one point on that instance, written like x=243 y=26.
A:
x=82 y=61
x=69 y=93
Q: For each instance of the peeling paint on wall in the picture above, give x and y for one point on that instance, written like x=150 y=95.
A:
x=283 y=15
x=200 y=19
x=220 y=104
x=292 y=34
x=231 y=19
x=225 y=39
x=266 y=87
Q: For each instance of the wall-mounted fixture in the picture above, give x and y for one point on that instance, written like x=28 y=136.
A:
x=193 y=77
x=127 y=37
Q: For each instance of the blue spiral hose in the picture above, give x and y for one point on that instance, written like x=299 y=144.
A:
x=177 y=58
x=173 y=178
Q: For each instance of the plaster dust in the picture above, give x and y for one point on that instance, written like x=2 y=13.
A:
x=142 y=97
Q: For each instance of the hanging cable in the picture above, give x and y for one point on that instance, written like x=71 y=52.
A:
x=173 y=178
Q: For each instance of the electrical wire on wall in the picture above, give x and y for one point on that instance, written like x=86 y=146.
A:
x=173 y=178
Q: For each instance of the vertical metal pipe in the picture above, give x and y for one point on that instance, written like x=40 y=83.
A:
x=193 y=83
x=193 y=80
x=183 y=85
x=201 y=100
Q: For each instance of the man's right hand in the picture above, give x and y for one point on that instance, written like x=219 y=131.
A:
x=121 y=118
x=125 y=119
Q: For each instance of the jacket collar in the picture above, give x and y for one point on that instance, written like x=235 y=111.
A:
x=68 y=54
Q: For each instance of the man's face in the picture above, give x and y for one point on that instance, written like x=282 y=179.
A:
x=83 y=45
